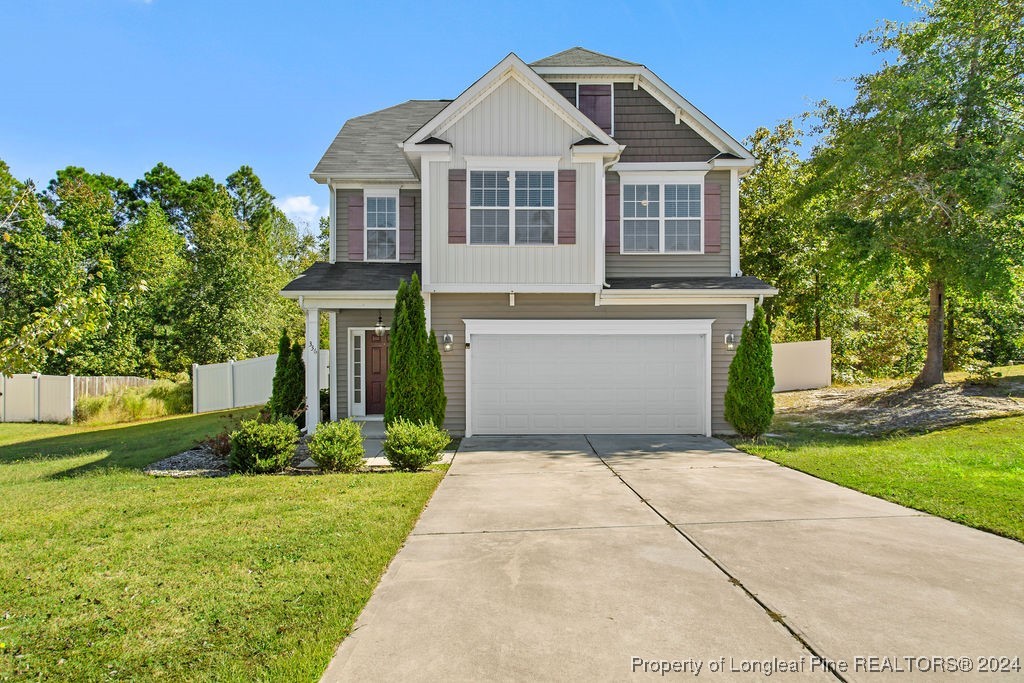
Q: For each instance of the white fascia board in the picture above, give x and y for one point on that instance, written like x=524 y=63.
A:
x=647 y=297
x=515 y=288
x=510 y=67
x=734 y=163
x=361 y=299
x=670 y=166
x=569 y=72
x=422 y=148
x=560 y=327
x=373 y=184
x=590 y=153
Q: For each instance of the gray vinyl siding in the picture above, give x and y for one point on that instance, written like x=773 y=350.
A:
x=650 y=132
x=342 y=198
x=365 y=318
x=679 y=265
x=566 y=90
x=449 y=310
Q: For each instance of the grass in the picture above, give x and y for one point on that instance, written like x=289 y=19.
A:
x=130 y=404
x=972 y=473
x=109 y=574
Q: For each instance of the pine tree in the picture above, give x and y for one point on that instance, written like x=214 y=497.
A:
x=396 y=390
x=296 y=395
x=436 y=400
x=749 y=403
x=277 y=394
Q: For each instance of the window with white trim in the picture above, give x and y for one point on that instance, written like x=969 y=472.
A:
x=381 y=225
x=662 y=218
x=512 y=207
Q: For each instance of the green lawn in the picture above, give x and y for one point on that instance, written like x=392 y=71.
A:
x=972 y=474
x=107 y=573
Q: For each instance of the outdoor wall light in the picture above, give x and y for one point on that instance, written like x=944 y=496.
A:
x=730 y=341
x=447 y=341
x=379 y=329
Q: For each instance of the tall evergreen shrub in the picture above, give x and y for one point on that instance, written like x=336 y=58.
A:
x=296 y=396
x=415 y=388
x=436 y=400
x=277 y=402
x=749 y=402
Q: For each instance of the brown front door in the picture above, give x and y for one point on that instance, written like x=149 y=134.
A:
x=376 y=372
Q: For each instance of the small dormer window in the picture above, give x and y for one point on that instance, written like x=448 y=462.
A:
x=595 y=101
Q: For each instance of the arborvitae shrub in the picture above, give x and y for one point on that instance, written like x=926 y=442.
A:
x=749 y=402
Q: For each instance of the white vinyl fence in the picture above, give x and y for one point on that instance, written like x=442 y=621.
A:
x=51 y=398
x=802 y=365
x=240 y=383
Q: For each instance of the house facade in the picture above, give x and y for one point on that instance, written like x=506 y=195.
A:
x=575 y=226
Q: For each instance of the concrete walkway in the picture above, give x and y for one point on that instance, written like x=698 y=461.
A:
x=554 y=558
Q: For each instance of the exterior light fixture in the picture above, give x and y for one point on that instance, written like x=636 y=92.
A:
x=730 y=341
x=447 y=341
x=379 y=329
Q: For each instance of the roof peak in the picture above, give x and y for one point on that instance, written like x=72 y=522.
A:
x=581 y=56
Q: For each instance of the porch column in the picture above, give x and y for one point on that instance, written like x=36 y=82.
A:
x=312 y=369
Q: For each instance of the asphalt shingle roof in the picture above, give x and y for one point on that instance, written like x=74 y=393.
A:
x=353 y=276
x=581 y=56
x=366 y=147
x=707 y=283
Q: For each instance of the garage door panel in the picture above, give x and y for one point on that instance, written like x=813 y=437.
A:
x=535 y=384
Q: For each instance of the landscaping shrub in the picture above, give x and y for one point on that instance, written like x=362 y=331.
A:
x=409 y=446
x=749 y=402
x=219 y=444
x=415 y=388
x=338 y=446
x=129 y=404
x=258 y=447
x=288 y=388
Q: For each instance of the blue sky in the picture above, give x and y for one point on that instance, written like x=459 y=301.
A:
x=206 y=86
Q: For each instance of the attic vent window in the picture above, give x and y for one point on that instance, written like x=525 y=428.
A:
x=595 y=101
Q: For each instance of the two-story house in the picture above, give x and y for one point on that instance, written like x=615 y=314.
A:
x=575 y=225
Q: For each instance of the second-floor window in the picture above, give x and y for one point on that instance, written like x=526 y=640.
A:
x=661 y=218
x=381 y=228
x=511 y=207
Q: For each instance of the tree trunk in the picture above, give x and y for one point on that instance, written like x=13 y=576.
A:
x=817 y=306
x=931 y=373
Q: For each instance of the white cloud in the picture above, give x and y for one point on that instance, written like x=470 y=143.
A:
x=300 y=208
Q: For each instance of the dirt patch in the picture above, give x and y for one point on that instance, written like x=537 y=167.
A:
x=893 y=407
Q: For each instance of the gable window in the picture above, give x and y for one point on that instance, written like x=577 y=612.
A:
x=381 y=226
x=662 y=217
x=595 y=101
x=512 y=207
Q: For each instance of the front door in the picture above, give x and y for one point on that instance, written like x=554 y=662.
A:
x=376 y=372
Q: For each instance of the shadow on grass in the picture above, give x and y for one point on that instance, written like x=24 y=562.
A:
x=126 y=447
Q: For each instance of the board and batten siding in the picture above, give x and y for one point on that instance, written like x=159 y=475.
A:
x=680 y=265
x=365 y=318
x=342 y=198
x=449 y=310
x=512 y=122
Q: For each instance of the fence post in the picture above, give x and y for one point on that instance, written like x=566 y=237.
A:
x=231 y=387
x=35 y=394
x=71 y=398
x=195 y=388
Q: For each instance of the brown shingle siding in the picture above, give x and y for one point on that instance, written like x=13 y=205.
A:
x=650 y=131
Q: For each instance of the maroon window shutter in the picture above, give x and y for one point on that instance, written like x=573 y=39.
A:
x=406 y=227
x=567 y=207
x=456 y=206
x=611 y=214
x=595 y=102
x=355 y=227
x=712 y=218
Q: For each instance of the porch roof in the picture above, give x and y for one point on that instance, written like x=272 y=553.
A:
x=743 y=283
x=351 y=276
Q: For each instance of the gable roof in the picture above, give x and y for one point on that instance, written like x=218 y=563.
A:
x=510 y=67
x=581 y=56
x=366 y=147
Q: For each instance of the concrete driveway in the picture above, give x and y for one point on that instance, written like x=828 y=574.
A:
x=611 y=557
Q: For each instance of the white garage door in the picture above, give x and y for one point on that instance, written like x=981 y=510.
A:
x=580 y=383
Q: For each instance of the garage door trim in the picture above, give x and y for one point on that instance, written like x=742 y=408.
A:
x=697 y=327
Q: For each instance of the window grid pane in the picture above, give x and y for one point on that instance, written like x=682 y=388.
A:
x=682 y=235
x=682 y=201
x=640 y=236
x=488 y=188
x=535 y=226
x=535 y=188
x=641 y=201
x=381 y=245
x=357 y=370
x=381 y=212
x=488 y=226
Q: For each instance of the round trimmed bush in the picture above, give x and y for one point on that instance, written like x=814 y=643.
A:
x=338 y=446
x=409 y=446
x=259 y=447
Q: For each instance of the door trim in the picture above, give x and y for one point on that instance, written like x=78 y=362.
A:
x=697 y=327
x=358 y=409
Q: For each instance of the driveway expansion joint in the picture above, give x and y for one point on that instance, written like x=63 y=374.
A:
x=798 y=519
x=539 y=529
x=772 y=614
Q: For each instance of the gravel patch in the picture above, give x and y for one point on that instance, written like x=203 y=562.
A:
x=886 y=408
x=197 y=462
